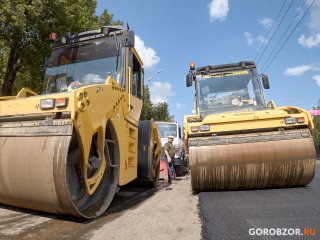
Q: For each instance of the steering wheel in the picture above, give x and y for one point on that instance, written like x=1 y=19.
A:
x=212 y=99
x=239 y=101
x=50 y=85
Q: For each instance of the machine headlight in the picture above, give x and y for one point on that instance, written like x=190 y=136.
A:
x=47 y=103
x=204 y=128
x=61 y=102
x=194 y=128
x=290 y=120
x=300 y=120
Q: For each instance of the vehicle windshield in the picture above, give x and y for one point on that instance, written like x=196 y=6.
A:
x=229 y=92
x=167 y=129
x=85 y=63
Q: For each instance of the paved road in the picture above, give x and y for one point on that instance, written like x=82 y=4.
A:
x=17 y=223
x=135 y=213
x=230 y=214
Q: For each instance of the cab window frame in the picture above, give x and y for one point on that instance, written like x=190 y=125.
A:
x=136 y=72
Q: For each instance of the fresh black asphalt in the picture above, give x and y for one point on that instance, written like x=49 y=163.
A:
x=231 y=214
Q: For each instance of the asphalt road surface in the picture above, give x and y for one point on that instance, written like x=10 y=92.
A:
x=162 y=213
x=18 y=223
x=269 y=214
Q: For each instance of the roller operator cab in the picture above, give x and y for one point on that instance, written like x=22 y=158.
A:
x=238 y=141
x=81 y=138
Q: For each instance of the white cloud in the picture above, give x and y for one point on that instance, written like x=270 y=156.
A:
x=311 y=41
x=179 y=105
x=313 y=24
x=298 y=70
x=218 y=10
x=317 y=79
x=159 y=92
x=147 y=54
x=266 y=22
x=250 y=39
x=261 y=39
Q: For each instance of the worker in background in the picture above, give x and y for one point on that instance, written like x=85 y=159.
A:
x=170 y=152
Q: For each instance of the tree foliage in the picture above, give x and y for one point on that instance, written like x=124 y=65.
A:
x=157 y=111
x=316 y=131
x=24 y=29
x=106 y=19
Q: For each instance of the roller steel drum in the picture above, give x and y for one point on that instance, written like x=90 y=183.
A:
x=252 y=161
x=38 y=170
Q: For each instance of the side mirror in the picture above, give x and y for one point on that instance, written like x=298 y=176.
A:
x=129 y=39
x=265 y=82
x=190 y=78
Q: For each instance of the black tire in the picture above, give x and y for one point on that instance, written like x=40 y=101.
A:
x=179 y=169
x=155 y=180
x=148 y=168
x=91 y=206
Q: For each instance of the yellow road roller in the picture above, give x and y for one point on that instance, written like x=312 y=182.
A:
x=238 y=141
x=67 y=150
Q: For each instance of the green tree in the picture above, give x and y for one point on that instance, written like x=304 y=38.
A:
x=158 y=111
x=161 y=112
x=24 y=29
x=3 y=61
x=106 y=19
x=146 y=112
x=316 y=131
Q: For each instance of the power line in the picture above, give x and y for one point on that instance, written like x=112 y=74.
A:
x=289 y=35
x=274 y=33
x=281 y=38
x=270 y=30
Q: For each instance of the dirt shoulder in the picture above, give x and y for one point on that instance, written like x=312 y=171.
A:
x=169 y=214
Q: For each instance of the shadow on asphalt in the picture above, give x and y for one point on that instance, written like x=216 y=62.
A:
x=127 y=198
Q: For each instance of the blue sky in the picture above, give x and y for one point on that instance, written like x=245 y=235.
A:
x=170 y=34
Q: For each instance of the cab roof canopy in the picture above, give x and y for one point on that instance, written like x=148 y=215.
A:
x=97 y=33
x=225 y=67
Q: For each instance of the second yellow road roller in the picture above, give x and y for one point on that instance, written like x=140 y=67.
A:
x=67 y=150
x=236 y=140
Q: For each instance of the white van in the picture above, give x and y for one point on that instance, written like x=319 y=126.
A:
x=166 y=129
